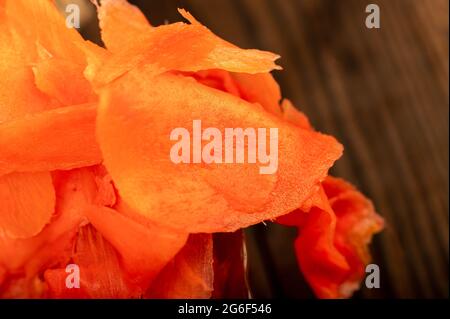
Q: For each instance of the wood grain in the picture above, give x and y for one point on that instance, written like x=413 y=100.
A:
x=384 y=94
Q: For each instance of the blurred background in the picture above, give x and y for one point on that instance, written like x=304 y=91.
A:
x=382 y=92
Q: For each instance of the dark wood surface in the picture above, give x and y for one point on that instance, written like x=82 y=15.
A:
x=384 y=94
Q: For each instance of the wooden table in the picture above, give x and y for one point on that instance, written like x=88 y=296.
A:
x=384 y=94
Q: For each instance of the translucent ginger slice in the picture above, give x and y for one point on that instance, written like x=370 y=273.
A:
x=100 y=273
x=190 y=274
x=144 y=249
x=294 y=116
x=357 y=222
x=75 y=191
x=334 y=234
x=183 y=47
x=201 y=198
x=40 y=40
x=18 y=92
x=260 y=88
x=62 y=138
x=120 y=22
x=27 y=203
x=64 y=81
x=42 y=25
